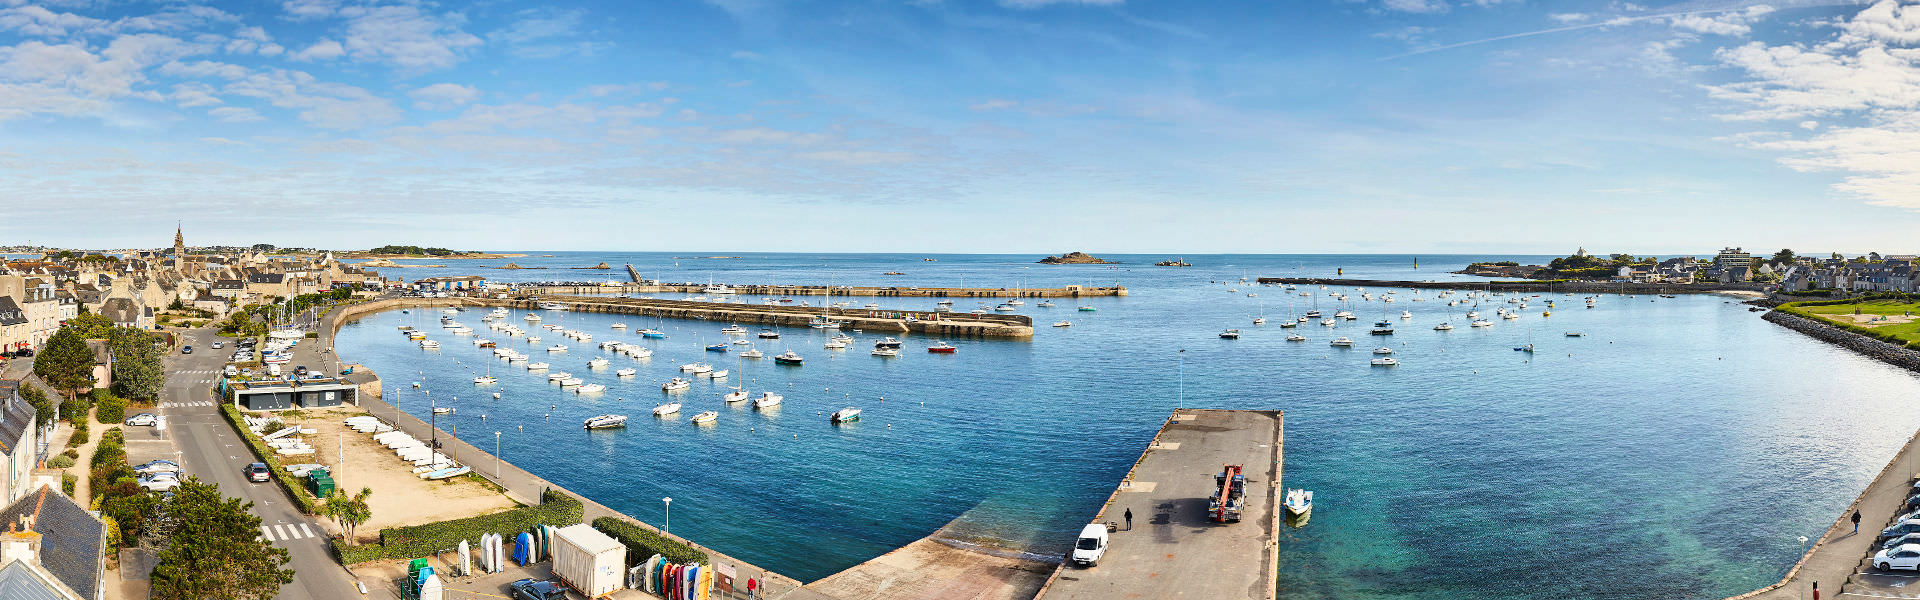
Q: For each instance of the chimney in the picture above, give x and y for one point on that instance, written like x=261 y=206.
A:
x=19 y=545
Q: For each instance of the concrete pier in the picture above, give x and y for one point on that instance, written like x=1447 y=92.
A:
x=1174 y=550
x=1071 y=291
x=929 y=323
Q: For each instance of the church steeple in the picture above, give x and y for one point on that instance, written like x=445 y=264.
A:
x=179 y=245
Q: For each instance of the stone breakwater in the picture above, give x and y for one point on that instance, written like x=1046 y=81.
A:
x=1573 y=287
x=1876 y=349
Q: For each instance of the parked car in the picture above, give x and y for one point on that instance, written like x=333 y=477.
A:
x=1899 y=557
x=1900 y=528
x=186 y=349
x=219 y=345
x=232 y=371
x=258 y=472
x=533 y=589
x=300 y=371
x=142 y=420
x=1091 y=545
x=158 y=482
x=1911 y=538
x=158 y=466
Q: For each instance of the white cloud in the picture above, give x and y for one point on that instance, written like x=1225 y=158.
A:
x=1569 y=18
x=310 y=9
x=233 y=114
x=405 y=37
x=1794 y=81
x=1809 y=125
x=534 y=25
x=38 y=21
x=193 y=93
x=443 y=96
x=1040 y=3
x=321 y=104
x=324 y=49
x=993 y=104
x=1886 y=21
x=253 y=40
x=203 y=69
x=1409 y=34
x=1415 y=6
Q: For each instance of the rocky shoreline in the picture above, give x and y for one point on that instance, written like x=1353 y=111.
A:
x=1075 y=258
x=1866 y=346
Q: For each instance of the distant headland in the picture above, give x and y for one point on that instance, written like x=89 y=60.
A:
x=393 y=251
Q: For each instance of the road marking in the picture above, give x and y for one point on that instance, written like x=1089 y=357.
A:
x=285 y=534
x=266 y=533
x=1886 y=574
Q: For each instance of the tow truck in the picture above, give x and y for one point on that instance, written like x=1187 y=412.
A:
x=1229 y=496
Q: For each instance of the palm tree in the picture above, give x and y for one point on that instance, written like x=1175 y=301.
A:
x=349 y=511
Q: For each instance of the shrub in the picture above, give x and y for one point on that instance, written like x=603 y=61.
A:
x=71 y=453
x=60 y=461
x=109 y=408
x=642 y=543
x=68 y=483
x=75 y=410
x=295 y=488
x=414 y=541
x=80 y=437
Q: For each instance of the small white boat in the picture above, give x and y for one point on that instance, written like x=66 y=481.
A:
x=561 y=376
x=557 y=348
x=767 y=400
x=705 y=418
x=1299 y=502
x=1296 y=338
x=1327 y=322
x=571 y=382
x=1383 y=350
x=429 y=344
x=1342 y=341
x=675 y=385
x=485 y=380
x=597 y=362
x=737 y=395
x=666 y=409
x=846 y=415
x=1063 y=324
x=1510 y=316
x=833 y=344
x=1443 y=327
x=1483 y=323
x=1230 y=334
x=689 y=367
x=638 y=352
x=734 y=330
x=627 y=372
x=718 y=374
x=1259 y=320
x=606 y=421
x=590 y=388
x=1385 y=361
x=1406 y=314
x=1574 y=334
x=752 y=353
x=619 y=325
x=886 y=352
x=537 y=366
x=532 y=318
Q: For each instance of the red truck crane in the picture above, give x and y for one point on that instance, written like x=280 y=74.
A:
x=1225 y=504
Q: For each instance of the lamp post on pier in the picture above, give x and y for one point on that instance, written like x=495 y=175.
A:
x=1183 y=378
x=669 y=528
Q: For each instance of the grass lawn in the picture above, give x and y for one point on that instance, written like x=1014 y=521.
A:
x=1896 y=322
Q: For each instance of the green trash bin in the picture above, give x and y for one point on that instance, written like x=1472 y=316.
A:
x=320 y=484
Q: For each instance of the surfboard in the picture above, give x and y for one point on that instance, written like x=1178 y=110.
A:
x=705 y=586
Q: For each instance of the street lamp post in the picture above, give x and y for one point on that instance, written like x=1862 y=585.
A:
x=496 y=456
x=669 y=528
x=1183 y=378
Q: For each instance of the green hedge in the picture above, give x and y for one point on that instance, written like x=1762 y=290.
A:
x=109 y=408
x=293 y=485
x=419 y=541
x=59 y=461
x=643 y=543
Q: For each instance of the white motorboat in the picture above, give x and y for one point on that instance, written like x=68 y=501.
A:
x=1574 y=334
x=1299 y=502
x=675 y=385
x=1383 y=350
x=532 y=318
x=590 y=388
x=561 y=376
x=1473 y=314
x=1042 y=304
x=767 y=400
x=1327 y=322
x=846 y=415
x=597 y=362
x=788 y=358
x=718 y=374
x=666 y=409
x=887 y=343
x=638 y=352
x=1510 y=316
x=619 y=325
x=1063 y=324
x=485 y=380
x=571 y=382
x=1406 y=314
x=1259 y=320
x=1385 y=361
x=627 y=372
x=1482 y=323
x=1443 y=327
x=752 y=353
x=737 y=395
x=769 y=334
x=1296 y=338
x=606 y=421
x=886 y=352
x=705 y=418
x=1230 y=334
x=552 y=306
x=734 y=330
x=557 y=348
x=429 y=344
x=833 y=344
x=537 y=366
x=1342 y=341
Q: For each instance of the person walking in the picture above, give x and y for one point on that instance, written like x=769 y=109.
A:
x=1130 y=520
x=1856 y=521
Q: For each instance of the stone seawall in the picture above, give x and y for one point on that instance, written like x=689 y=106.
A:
x=1522 y=285
x=1876 y=349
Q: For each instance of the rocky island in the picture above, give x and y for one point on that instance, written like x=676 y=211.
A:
x=1178 y=262
x=1075 y=258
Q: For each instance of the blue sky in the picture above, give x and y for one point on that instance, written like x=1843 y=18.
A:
x=940 y=125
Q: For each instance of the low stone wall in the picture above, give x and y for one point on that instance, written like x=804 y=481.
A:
x=1524 y=285
x=1876 y=349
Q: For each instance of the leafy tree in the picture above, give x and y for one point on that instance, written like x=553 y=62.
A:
x=91 y=326
x=176 y=305
x=66 y=363
x=1783 y=257
x=137 y=371
x=45 y=411
x=349 y=511
x=215 y=550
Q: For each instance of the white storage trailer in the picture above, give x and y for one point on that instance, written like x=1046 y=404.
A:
x=589 y=561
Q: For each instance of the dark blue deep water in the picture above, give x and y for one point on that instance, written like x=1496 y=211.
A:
x=1678 y=450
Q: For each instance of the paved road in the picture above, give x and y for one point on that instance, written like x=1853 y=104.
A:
x=211 y=450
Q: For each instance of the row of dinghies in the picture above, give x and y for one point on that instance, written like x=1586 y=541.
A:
x=766 y=401
x=427 y=462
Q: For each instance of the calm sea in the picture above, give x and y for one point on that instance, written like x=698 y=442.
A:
x=1677 y=450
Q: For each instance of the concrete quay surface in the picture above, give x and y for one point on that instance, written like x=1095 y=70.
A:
x=1837 y=562
x=1174 y=550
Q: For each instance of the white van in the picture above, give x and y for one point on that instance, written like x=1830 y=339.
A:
x=1091 y=545
x=233 y=371
x=273 y=369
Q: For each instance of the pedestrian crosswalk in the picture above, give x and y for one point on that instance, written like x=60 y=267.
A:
x=185 y=404
x=286 y=531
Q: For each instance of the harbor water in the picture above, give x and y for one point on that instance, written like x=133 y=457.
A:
x=1677 y=449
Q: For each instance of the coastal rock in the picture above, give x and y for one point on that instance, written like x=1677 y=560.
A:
x=1074 y=258
x=511 y=266
x=1178 y=262
x=598 y=267
x=1878 y=350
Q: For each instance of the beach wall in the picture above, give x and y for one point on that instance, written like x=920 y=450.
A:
x=1876 y=349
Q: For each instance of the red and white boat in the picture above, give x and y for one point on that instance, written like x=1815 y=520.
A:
x=941 y=348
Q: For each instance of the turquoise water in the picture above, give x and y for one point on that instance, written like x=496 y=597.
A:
x=1677 y=450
